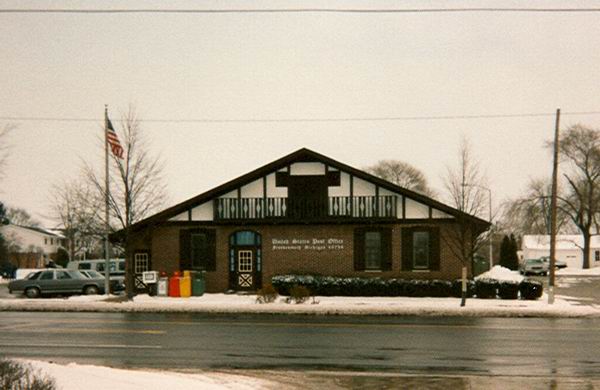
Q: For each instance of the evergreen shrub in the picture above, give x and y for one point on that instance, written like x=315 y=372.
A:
x=456 y=291
x=530 y=289
x=376 y=287
x=486 y=288
x=508 y=290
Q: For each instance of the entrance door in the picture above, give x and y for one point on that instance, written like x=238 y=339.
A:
x=246 y=269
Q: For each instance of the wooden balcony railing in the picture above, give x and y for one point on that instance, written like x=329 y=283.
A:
x=301 y=209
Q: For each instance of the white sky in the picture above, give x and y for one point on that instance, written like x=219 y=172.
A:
x=240 y=66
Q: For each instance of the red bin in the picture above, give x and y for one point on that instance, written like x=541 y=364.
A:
x=174 y=284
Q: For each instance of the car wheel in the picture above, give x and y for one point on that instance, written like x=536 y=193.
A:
x=90 y=290
x=32 y=292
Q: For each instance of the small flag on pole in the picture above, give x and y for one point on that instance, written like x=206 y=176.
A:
x=113 y=140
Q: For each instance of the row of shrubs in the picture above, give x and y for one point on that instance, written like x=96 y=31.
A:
x=377 y=287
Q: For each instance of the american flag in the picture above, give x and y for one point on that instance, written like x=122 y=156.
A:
x=113 y=140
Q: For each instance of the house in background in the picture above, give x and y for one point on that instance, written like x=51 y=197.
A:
x=304 y=213
x=569 y=248
x=31 y=247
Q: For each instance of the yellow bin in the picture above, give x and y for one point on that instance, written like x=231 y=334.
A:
x=185 y=285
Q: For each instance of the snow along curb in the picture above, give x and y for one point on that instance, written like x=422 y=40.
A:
x=354 y=306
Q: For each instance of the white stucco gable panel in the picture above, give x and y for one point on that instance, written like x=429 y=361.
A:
x=253 y=189
x=416 y=210
x=343 y=189
x=272 y=190
x=307 y=168
x=435 y=213
x=203 y=212
x=230 y=195
x=363 y=187
x=181 y=217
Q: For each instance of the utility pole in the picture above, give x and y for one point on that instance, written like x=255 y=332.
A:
x=553 y=213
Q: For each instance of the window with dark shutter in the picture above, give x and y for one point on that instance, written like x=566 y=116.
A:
x=198 y=249
x=420 y=248
x=372 y=249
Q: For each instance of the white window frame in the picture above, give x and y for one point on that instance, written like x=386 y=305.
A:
x=245 y=260
x=140 y=262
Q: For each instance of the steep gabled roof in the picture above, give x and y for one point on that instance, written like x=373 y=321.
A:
x=301 y=155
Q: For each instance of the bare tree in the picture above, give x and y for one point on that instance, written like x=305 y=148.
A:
x=465 y=189
x=530 y=214
x=76 y=208
x=4 y=146
x=580 y=149
x=402 y=174
x=136 y=185
x=21 y=217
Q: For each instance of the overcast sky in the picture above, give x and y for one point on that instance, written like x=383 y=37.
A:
x=293 y=66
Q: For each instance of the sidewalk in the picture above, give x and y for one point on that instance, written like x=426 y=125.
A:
x=246 y=304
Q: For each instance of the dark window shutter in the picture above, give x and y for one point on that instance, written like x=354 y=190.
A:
x=386 y=249
x=211 y=253
x=434 y=245
x=359 y=249
x=185 y=250
x=407 y=261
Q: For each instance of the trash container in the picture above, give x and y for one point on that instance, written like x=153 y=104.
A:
x=198 y=284
x=174 y=284
x=185 y=285
x=153 y=289
x=163 y=285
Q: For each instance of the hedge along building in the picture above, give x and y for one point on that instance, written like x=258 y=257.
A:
x=304 y=213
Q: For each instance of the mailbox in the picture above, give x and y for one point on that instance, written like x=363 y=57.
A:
x=150 y=277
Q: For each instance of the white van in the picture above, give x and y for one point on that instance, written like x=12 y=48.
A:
x=117 y=266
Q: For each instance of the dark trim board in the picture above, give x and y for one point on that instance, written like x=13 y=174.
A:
x=354 y=221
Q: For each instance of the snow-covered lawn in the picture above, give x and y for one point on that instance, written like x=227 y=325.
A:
x=77 y=377
x=579 y=272
x=223 y=303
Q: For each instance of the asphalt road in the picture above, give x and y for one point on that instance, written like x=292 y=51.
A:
x=407 y=345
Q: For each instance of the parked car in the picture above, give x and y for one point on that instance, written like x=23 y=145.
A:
x=116 y=267
x=533 y=267
x=557 y=263
x=56 y=281
x=116 y=284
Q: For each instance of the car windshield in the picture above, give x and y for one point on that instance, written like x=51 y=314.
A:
x=33 y=275
x=534 y=261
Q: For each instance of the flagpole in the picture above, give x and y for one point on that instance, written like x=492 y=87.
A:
x=106 y=199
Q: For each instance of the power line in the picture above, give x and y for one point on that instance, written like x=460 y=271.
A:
x=294 y=10
x=292 y=120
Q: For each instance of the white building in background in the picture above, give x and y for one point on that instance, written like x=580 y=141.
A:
x=568 y=249
x=31 y=246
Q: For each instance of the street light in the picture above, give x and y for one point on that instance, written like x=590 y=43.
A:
x=490 y=206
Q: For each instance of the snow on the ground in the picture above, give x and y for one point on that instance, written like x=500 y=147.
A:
x=568 y=271
x=233 y=303
x=76 y=377
x=501 y=274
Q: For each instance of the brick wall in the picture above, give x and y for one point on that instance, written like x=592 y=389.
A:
x=331 y=256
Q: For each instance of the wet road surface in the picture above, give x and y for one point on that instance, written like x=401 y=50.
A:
x=509 y=347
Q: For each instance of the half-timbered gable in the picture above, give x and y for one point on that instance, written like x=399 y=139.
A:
x=310 y=191
x=303 y=213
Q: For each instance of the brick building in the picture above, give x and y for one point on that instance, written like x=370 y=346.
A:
x=304 y=213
